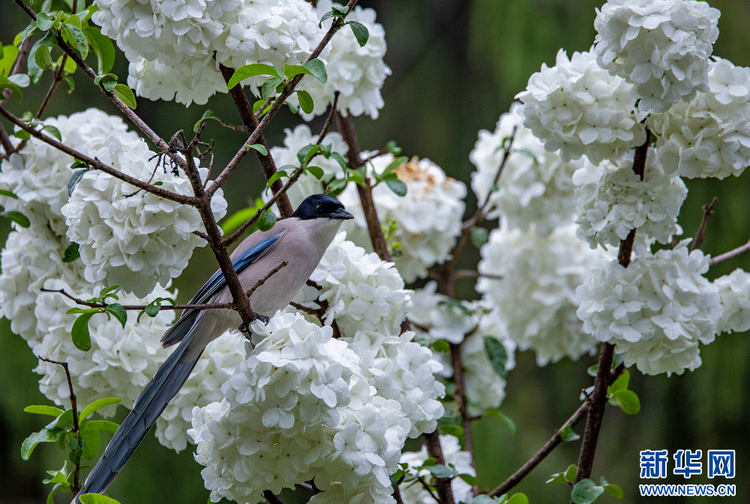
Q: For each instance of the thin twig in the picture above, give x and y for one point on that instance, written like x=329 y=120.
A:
x=427 y=487
x=268 y=275
x=329 y=119
x=435 y=450
x=98 y=165
x=700 y=235
x=5 y=141
x=467 y=273
x=90 y=304
x=272 y=498
x=729 y=255
x=458 y=380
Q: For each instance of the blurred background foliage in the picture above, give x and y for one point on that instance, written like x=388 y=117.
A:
x=456 y=66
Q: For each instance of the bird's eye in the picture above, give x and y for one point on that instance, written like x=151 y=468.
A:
x=319 y=208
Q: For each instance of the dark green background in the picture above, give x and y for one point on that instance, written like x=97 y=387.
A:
x=456 y=67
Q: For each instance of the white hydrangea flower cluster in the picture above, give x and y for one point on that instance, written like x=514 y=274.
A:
x=578 y=108
x=461 y=460
x=300 y=407
x=121 y=361
x=660 y=46
x=535 y=185
x=39 y=173
x=710 y=135
x=357 y=73
x=177 y=47
x=531 y=283
x=655 y=311
x=307 y=184
x=133 y=238
x=361 y=292
x=427 y=219
x=434 y=317
x=613 y=200
x=214 y=368
x=734 y=290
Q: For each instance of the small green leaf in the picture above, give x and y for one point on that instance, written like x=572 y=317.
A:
x=570 y=472
x=116 y=310
x=613 y=490
x=258 y=147
x=506 y=419
x=107 y=77
x=483 y=499
x=441 y=471
x=71 y=253
x=126 y=95
x=627 y=400
x=43 y=436
x=93 y=498
x=91 y=440
x=316 y=171
x=44 y=410
x=291 y=71
x=269 y=87
x=16 y=217
x=108 y=291
x=497 y=355
x=43 y=58
x=393 y=148
x=208 y=114
x=591 y=371
x=43 y=21
x=317 y=69
x=395 y=185
x=339 y=159
x=306 y=102
x=519 y=498
x=567 y=434
x=252 y=70
x=100 y=425
x=237 y=219
x=429 y=462
x=392 y=166
x=80 y=332
x=621 y=383
x=75 y=179
x=6 y=83
x=469 y=478
x=266 y=221
x=20 y=80
x=452 y=430
x=22 y=134
x=52 y=131
x=100 y=403
x=441 y=346
x=4 y=192
x=102 y=47
x=77 y=39
x=479 y=236
x=585 y=492
x=326 y=16
x=360 y=32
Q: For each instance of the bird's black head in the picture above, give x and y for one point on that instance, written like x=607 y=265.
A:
x=320 y=206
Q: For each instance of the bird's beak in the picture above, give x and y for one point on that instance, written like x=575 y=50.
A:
x=340 y=213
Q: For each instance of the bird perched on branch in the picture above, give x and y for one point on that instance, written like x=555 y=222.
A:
x=281 y=260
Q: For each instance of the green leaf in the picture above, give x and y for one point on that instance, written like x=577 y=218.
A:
x=327 y=15
x=16 y=217
x=452 y=430
x=291 y=71
x=317 y=69
x=395 y=185
x=8 y=57
x=102 y=47
x=44 y=410
x=77 y=39
x=441 y=346
x=336 y=187
x=43 y=21
x=479 y=236
x=43 y=58
x=107 y=77
x=80 y=332
x=76 y=445
x=591 y=371
x=429 y=462
x=483 y=499
x=441 y=471
x=360 y=32
x=276 y=176
x=306 y=102
x=570 y=472
x=126 y=95
x=43 y=436
x=71 y=253
x=108 y=292
x=100 y=403
x=252 y=70
x=20 y=80
x=613 y=490
x=392 y=166
x=393 y=148
x=269 y=87
x=91 y=440
x=497 y=354
x=208 y=114
x=567 y=434
x=5 y=83
x=100 y=425
x=23 y=135
x=93 y=498
x=519 y=498
x=627 y=400
x=75 y=179
x=339 y=159
x=621 y=383
x=258 y=147
x=4 y=192
x=316 y=171
x=237 y=219
x=266 y=221
x=506 y=419
x=470 y=479
x=63 y=420
x=585 y=492
x=52 y=131
x=50 y=497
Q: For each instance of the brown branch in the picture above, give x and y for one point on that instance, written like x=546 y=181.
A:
x=98 y=165
x=427 y=487
x=83 y=302
x=435 y=450
x=5 y=141
x=272 y=498
x=268 y=275
x=467 y=273
x=458 y=380
x=245 y=109
x=329 y=119
x=729 y=255
x=285 y=93
x=74 y=407
x=700 y=235
x=534 y=461
x=345 y=125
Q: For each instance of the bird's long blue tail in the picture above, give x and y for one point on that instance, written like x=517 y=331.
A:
x=167 y=381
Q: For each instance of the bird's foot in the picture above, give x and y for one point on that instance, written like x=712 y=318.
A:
x=262 y=318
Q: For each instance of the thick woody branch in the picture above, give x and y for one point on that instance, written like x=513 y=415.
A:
x=23 y=52
x=98 y=165
x=458 y=379
x=730 y=255
x=245 y=109
x=700 y=235
x=345 y=125
x=286 y=93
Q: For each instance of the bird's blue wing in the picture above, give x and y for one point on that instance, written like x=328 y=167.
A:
x=217 y=281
